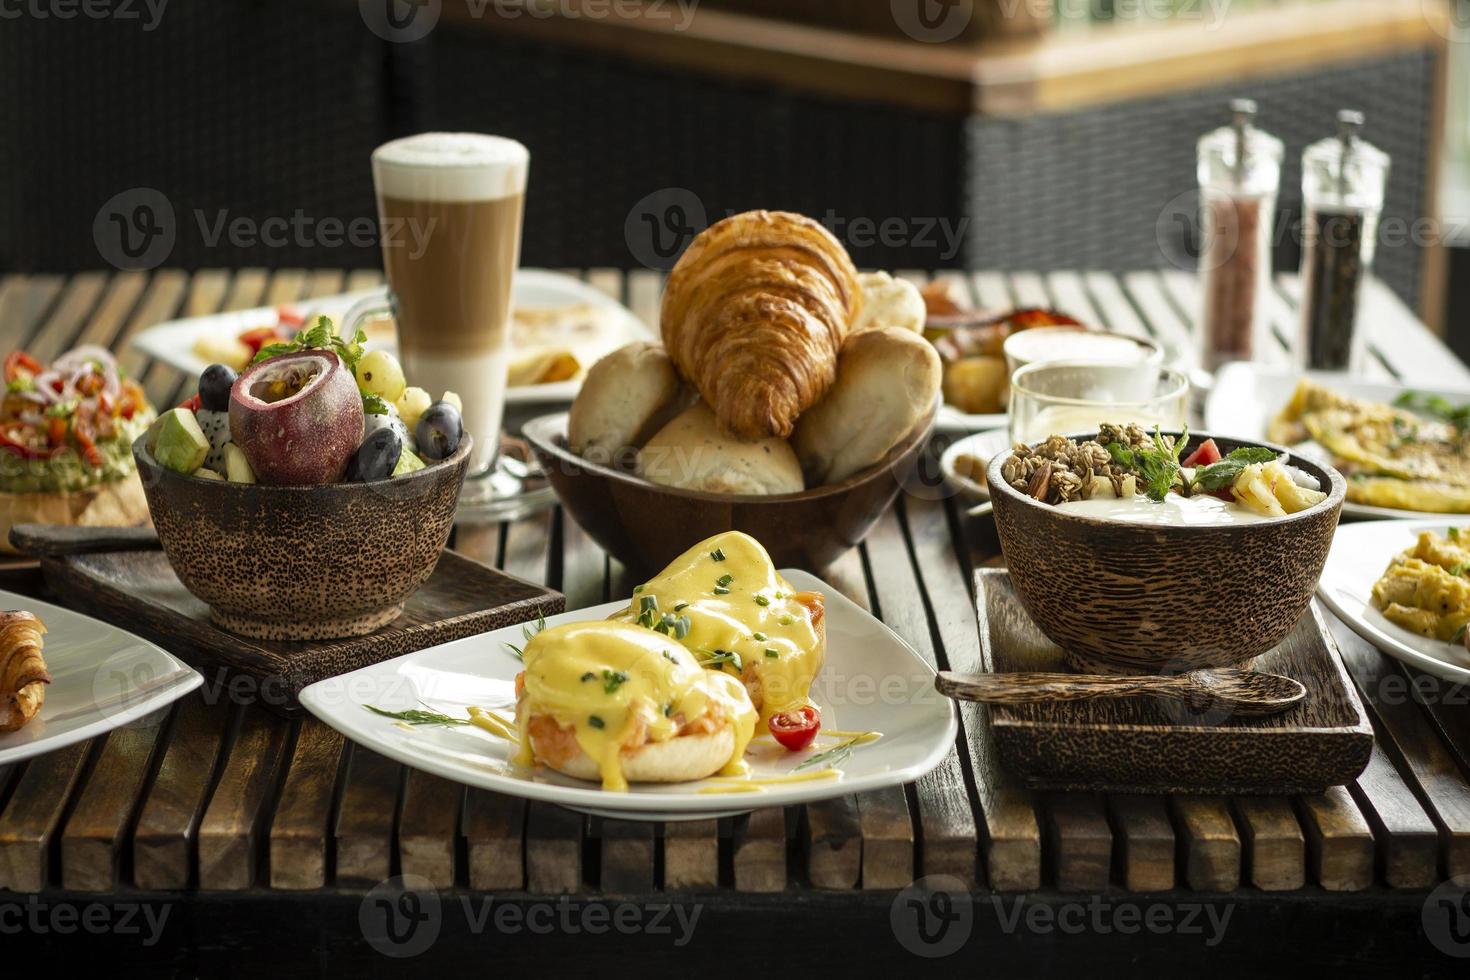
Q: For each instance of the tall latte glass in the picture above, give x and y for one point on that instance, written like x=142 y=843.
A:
x=449 y=206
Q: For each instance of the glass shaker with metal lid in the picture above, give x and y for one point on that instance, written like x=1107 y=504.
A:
x=1343 y=182
x=1239 y=173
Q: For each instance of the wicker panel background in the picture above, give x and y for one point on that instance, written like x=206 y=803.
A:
x=266 y=108
x=1106 y=188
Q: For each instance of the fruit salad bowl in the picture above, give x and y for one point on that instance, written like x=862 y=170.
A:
x=303 y=562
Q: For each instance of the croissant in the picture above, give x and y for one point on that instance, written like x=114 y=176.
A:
x=23 y=674
x=754 y=314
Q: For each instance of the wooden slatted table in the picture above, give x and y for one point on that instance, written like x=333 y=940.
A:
x=225 y=808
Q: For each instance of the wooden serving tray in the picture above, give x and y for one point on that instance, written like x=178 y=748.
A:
x=139 y=591
x=1139 y=746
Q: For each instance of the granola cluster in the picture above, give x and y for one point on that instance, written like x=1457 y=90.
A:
x=1062 y=469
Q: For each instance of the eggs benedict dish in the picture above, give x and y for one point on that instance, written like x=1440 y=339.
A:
x=724 y=602
x=619 y=702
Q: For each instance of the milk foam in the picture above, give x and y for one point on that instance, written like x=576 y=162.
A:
x=479 y=380
x=451 y=167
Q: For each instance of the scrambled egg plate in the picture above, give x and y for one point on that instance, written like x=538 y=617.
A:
x=1425 y=589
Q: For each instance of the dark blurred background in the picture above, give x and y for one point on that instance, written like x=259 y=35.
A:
x=929 y=133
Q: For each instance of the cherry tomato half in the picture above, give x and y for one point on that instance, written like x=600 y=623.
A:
x=795 y=730
x=17 y=361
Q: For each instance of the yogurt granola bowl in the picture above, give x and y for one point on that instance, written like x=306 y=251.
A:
x=1163 y=552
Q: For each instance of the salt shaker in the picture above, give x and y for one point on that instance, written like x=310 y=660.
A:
x=1239 y=174
x=1343 y=181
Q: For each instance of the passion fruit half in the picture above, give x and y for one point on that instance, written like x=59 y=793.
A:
x=297 y=417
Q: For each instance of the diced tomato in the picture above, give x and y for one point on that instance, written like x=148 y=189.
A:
x=796 y=729
x=12 y=441
x=191 y=403
x=90 y=452
x=18 y=361
x=57 y=431
x=258 y=337
x=1206 y=454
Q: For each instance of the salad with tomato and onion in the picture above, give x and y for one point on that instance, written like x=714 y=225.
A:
x=69 y=425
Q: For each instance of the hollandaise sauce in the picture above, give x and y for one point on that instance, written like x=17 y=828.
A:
x=617 y=686
x=758 y=784
x=725 y=602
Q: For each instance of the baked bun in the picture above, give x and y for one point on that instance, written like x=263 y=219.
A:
x=23 y=674
x=676 y=760
x=754 y=314
x=692 y=452
x=627 y=396
x=889 y=302
x=887 y=380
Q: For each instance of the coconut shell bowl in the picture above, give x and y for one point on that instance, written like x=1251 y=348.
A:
x=308 y=562
x=646 y=525
x=1135 y=598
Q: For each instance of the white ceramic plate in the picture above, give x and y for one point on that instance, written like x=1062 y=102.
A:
x=1247 y=396
x=101 y=678
x=952 y=421
x=1359 y=555
x=872 y=681
x=982 y=445
x=173 y=342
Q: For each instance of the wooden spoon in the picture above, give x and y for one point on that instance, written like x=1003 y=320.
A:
x=1243 y=693
x=55 y=540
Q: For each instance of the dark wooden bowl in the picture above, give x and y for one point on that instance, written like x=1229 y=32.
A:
x=303 y=563
x=1131 y=598
x=646 y=525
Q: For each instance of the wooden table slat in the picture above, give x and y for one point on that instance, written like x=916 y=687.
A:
x=167 y=830
x=833 y=843
x=1145 y=841
x=1275 y=847
x=366 y=818
x=33 y=814
x=1112 y=302
x=300 y=830
x=428 y=830
x=165 y=292
x=1184 y=288
x=94 y=842
x=1406 y=840
x=1339 y=841
x=691 y=855
x=759 y=850
x=24 y=301
x=230 y=833
x=78 y=299
x=1169 y=327
x=1210 y=842
x=628 y=856
x=553 y=849
x=359 y=279
x=494 y=827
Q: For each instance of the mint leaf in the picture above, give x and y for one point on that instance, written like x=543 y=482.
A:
x=374 y=404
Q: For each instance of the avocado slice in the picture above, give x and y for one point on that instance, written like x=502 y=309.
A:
x=237 y=467
x=408 y=461
x=182 y=445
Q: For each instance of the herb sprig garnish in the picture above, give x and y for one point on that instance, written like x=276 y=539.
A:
x=1437 y=407
x=417 y=716
x=612 y=680
x=1156 y=464
x=718 y=658
x=529 y=633
x=319 y=336
x=834 y=756
x=1218 y=476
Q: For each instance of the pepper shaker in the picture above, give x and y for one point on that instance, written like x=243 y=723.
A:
x=1239 y=170
x=1343 y=182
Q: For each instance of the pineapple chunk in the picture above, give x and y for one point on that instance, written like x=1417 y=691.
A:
x=1268 y=489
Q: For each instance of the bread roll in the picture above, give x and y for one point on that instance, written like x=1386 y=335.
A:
x=694 y=453
x=889 y=302
x=677 y=760
x=627 y=396
x=886 y=383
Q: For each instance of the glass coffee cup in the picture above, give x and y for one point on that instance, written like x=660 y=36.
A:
x=450 y=209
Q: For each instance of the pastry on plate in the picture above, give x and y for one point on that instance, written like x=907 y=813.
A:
x=692 y=452
x=628 y=395
x=23 y=674
x=754 y=314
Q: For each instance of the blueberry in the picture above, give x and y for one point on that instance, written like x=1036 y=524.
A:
x=214 y=387
x=439 y=431
x=375 y=458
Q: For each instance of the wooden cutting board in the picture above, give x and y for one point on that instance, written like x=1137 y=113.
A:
x=139 y=591
x=1140 y=746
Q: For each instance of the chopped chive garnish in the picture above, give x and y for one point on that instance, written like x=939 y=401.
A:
x=721 y=591
x=758 y=637
x=724 y=580
x=718 y=554
x=669 y=656
x=771 y=653
x=682 y=625
x=680 y=606
x=612 y=680
x=589 y=676
x=648 y=603
x=637 y=589
x=787 y=620
x=596 y=722
x=761 y=600
x=668 y=709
